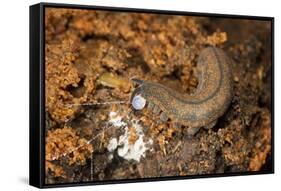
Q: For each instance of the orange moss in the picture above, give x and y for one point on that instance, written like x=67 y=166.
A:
x=216 y=38
x=66 y=143
x=63 y=79
x=57 y=170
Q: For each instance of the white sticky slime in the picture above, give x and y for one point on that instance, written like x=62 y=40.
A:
x=127 y=150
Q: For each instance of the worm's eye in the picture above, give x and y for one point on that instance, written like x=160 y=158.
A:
x=138 y=102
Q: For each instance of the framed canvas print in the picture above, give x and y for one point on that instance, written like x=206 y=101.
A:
x=126 y=95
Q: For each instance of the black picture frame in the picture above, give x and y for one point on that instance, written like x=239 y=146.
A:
x=37 y=93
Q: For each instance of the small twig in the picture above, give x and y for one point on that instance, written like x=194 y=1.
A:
x=92 y=167
x=176 y=147
x=97 y=103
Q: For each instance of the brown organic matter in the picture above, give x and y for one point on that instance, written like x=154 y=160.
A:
x=86 y=46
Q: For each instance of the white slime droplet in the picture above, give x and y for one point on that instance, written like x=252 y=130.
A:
x=138 y=102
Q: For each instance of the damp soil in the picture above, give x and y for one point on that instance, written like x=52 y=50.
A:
x=92 y=133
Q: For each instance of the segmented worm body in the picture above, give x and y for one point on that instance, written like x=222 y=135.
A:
x=202 y=108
